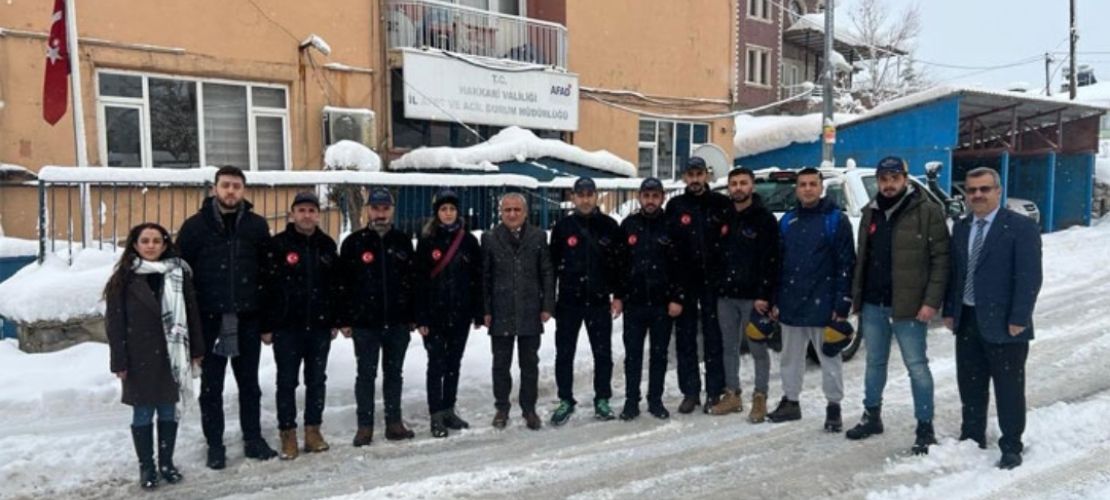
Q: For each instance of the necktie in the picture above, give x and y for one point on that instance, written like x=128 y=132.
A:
x=973 y=262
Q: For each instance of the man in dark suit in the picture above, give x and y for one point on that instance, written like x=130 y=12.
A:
x=992 y=288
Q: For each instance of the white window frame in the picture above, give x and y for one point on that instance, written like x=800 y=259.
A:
x=143 y=105
x=760 y=10
x=521 y=7
x=654 y=144
x=761 y=67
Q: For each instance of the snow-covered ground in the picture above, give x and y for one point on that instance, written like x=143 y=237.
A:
x=64 y=434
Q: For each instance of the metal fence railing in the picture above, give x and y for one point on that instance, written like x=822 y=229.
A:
x=120 y=198
x=468 y=30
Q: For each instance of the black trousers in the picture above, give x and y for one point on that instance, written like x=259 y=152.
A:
x=701 y=306
x=599 y=328
x=245 y=368
x=528 y=350
x=291 y=349
x=978 y=363
x=641 y=322
x=445 y=346
x=388 y=344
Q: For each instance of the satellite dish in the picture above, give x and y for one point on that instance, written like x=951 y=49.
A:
x=718 y=161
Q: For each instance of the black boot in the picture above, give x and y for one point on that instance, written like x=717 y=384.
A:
x=657 y=410
x=833 y=423
x=258 y=449
x=438 y=424
x=786 y=411
x=631 y=410
x=143 y=437
x=925 y=437
x=167 y=438
x=452 y=420
x=217 y=457
x=870 y=423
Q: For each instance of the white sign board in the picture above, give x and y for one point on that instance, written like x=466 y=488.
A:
x=441 y=88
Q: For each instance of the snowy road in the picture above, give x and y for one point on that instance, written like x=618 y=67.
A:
x=65 y=436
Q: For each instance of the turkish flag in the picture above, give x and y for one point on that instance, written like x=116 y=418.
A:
x=55 y=84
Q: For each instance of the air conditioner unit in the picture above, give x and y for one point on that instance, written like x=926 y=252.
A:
x=352 y=124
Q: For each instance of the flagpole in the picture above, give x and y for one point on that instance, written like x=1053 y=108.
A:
x=82 y=152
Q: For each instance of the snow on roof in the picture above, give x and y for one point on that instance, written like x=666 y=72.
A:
x=17 y=247
x=56 y=290
x=816 y=22
x=350 y=155
x=512 y=143
x=9 y=167
x=759 y=134
x=1098 y=93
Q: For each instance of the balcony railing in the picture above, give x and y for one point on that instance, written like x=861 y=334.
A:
x=467 y=30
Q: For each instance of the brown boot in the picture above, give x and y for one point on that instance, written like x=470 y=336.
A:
x=532 y=420
x=501 y=419
x=689 y=403
x=396 y=431
x=364 y=436
x=730 y=402
x=759 y=408
x=289 y=444
x=313 y=440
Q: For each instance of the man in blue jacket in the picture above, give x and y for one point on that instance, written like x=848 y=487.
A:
x=815 y=289
x=993 y=284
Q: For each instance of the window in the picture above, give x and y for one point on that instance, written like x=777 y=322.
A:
x=175 y=122
x=797 y=10
x=759 y=9
x=511 y=7
x=758 y=66
x=664 y=146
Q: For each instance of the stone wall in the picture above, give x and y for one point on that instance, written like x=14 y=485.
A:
x=48 y=336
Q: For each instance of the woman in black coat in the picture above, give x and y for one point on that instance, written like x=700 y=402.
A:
x=448 y=301
x=155 y=340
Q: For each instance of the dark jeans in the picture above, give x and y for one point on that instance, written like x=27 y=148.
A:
x=701 y=306
x=391 y=343
x=245 y=368
x=599 y=328
x=639 y=320
x=291 y=348
x=143 y=415
x=979 y=362
x=445 y=346
x=528 y=349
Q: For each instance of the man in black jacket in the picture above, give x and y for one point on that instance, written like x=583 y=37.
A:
x=300 y=321
x=377 y=263
x=652 y=297
x=585 y=251
x=694 y=219
x=745 y=269
x=225 y=243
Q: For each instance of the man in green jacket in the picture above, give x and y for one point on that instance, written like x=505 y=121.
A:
x=898 y=286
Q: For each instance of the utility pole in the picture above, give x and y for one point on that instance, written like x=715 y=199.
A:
x=1074 y=37
x=1047 y=74
x=828 y=129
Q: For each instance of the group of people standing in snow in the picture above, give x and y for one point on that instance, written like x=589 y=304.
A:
x=712 y=267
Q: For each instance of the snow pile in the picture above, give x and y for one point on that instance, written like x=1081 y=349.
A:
x=512 y=143
x=1102 y=170
x=17 y=247
x=759 y=134
x=350 y=155
x=56 y=290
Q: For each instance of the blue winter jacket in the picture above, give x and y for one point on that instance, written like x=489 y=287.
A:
x=816 y=273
